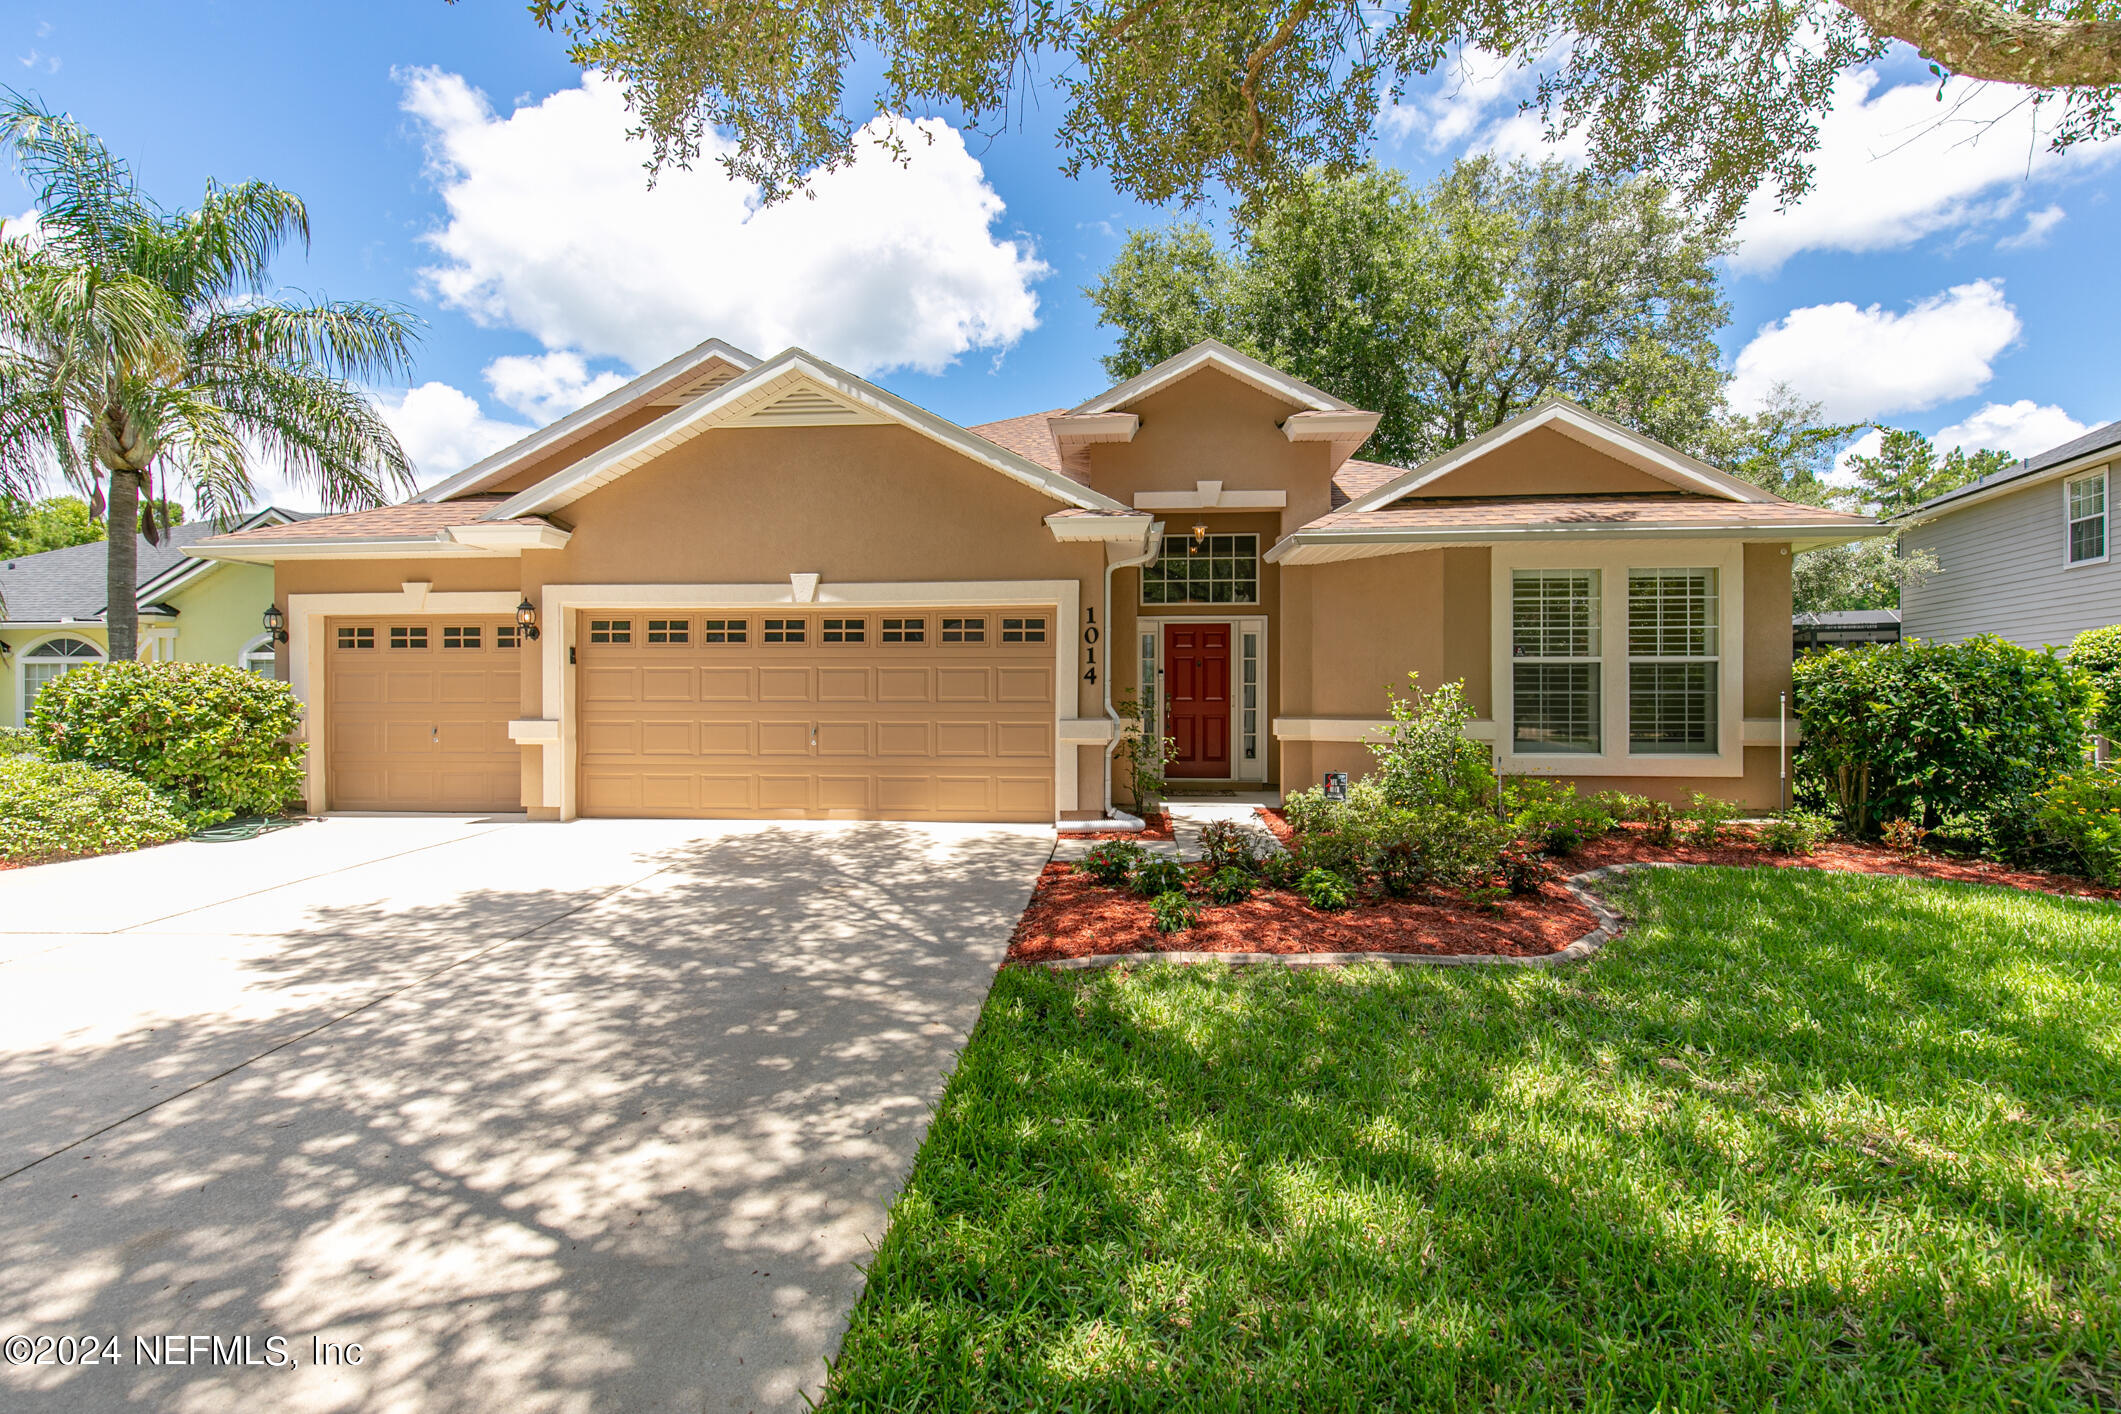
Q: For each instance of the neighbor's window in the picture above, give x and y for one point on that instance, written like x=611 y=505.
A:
x=53 y=658
x=259 y=658
x=1218 y=569
x=1674 y=650
x=2087 y=518
x=1555 y=661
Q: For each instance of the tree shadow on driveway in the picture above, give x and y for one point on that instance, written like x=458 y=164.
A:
x=627 y=1157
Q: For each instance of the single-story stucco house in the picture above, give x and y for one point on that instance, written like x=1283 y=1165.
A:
x=2024 y=552
x=191 y=610
x=746 y=588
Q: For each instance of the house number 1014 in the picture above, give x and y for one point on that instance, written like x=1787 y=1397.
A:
x=1090 y=637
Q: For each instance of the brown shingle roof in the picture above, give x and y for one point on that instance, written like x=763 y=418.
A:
x=1028 y=437
x=1357 y=479
x=416 y=520
x=1565 y=512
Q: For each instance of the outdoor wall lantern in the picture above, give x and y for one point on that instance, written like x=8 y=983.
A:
x=527 y=618
x=275 y=623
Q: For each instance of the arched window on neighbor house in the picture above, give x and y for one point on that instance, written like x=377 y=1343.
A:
x=53 y=658
x=258 y=657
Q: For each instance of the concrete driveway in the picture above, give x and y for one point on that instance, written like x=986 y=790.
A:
x=600 y=1116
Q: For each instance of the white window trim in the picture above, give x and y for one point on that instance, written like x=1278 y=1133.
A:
x=1214 y=610
x=1240 y=624
x=258 y=647
x=2106 y=517
x=1613 y=559
x=29 y=651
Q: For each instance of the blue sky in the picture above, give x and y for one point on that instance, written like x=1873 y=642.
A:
x=1946 y=275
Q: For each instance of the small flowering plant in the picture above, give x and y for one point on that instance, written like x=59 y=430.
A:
x=2081 y=816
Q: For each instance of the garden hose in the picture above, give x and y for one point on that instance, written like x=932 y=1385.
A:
x=243 y=827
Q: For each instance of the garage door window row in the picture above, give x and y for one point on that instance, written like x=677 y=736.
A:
x=829 y=629
x=415 y=638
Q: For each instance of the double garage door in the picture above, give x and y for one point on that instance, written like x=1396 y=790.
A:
x=910 y=714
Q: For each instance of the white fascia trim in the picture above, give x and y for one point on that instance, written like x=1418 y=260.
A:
x=265 y=552
x=511 y=537
x=185 y=570
x=2090 y=461
x=1093 y=426
x=674 y=370
x=1353 y=427
x=306 y=614
x=1306 y=547
x=1587 y=427
x=1210 y=496
x=1070 y=529
x=561 y=604
x=704 y=413
x=1243 y=367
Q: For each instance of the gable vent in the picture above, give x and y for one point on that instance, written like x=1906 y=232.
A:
x=807 y=407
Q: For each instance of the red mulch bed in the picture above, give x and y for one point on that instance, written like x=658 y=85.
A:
x=1156 y=827
x=1072 y=915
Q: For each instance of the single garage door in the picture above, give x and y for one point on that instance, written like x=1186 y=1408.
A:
x=418 y=712
x=908 y=715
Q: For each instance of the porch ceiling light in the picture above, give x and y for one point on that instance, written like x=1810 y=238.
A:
x=527 y=618
x=275 y=623
x=1200 y=538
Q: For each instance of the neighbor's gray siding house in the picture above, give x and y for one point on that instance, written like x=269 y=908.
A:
x=2026 y=552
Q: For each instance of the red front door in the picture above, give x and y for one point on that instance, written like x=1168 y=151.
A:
x=1197 y=698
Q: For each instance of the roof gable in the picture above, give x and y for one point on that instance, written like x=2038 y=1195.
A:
x=793 y=389
x=1212 y=353
x=692 y=374
x=1644 y=454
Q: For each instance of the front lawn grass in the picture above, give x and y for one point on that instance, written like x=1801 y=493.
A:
x=1798 y=1141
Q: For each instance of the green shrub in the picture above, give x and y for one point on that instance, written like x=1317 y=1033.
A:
x=56 y=809
x=2080 y=815
x=211 y=735
x=1341 y=852
x=1279 y=870
x=1620 y=805
x=1156 y=874
x=1660 y=821
x=1918 y=731
x=1707 y=818
x=1552 y=816
x=1521 y=870
x=1110 y=862
x=14 y=741
x=1323 y=890
x=1173 y=912
x=2098 y=652
x=1308 y=811
x=1229 y=885
x=1796 y=832
x=1410 y=850
x=1426 y=757
x=1225 y=844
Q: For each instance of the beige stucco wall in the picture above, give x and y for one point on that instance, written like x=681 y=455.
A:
x=1211 y=427
x=1544 y=462
x=1759 y=788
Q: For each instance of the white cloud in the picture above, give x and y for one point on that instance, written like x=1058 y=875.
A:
x=2023 y=428
x=443 y=429
x=1864 y=363
x=1895 y=165
x=1472 y=82
x=2037 y=225
x=547 y=386
x=553 y=229
x=1868 y=445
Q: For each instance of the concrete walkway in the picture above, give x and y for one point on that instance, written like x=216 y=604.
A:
x=584 y=1117
x=1188 y=817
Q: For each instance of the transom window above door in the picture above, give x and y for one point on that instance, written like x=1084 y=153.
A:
x=1215 y=569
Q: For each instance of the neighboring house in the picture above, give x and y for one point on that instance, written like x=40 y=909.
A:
x=741 y=588
x=2024 y=552
x=1844 y=628
x=191 y=610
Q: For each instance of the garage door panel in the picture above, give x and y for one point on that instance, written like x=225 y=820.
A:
x=610 y=685
x=826 y=727
x=417 y=711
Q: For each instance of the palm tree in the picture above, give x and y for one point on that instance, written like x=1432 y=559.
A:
x=141 y=346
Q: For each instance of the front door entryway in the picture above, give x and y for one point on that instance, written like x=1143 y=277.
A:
x=1197 y=699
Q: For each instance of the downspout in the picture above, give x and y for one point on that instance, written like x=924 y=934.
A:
x=1151 y=543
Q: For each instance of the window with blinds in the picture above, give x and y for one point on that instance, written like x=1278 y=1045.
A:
x=1555 y=661
x=1674 y=661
